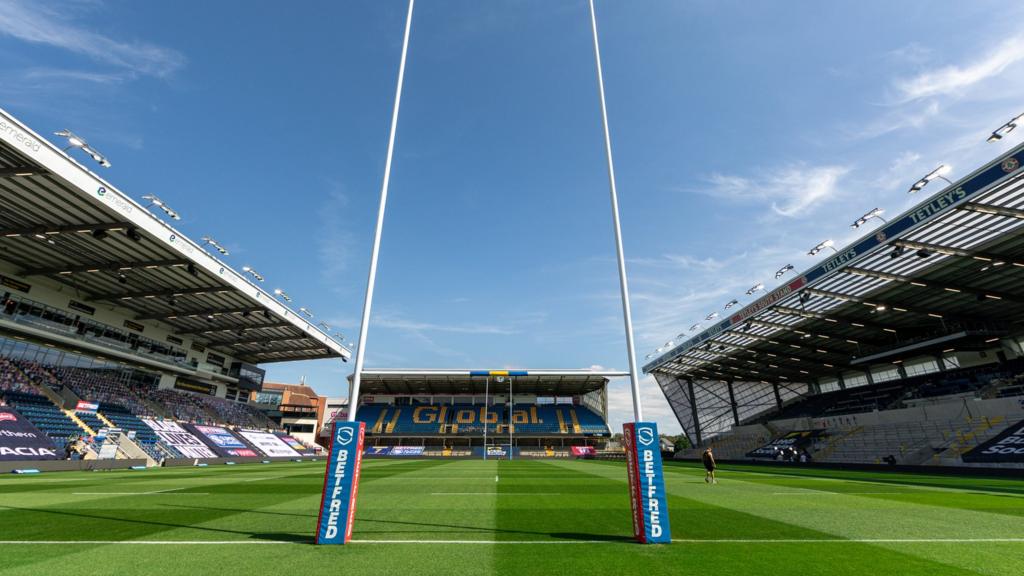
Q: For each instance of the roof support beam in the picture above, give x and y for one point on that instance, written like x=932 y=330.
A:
x=949 y=251
x=924 y=283
x=49 y=230
x=21 y=171
x=990 y=209
x=107 y=266
x=232 y=328
x=198 y=314
x=269 y=340
x=900 y=306
x=164 y=293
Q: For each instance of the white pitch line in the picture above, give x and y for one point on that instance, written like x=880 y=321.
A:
x=818 y=492
x=145 y=542
x=530 y=542
x=495 y=493
x=268 y=478
x=131 y=493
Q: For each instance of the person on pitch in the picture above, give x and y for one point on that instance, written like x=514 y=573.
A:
x=709 y=465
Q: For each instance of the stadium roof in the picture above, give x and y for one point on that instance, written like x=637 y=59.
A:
x=61 y=221
x=948 y=274
x=543 y=382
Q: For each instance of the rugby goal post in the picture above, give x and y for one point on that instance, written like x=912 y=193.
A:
x=646 y=483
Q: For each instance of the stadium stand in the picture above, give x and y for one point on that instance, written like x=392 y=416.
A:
x=44 y=415
x=462 y=419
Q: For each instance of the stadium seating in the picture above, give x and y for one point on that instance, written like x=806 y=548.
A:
x=103 y=386
x=44 y=415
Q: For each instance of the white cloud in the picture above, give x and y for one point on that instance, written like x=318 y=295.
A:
x=953 y=79
x=398 y=323
x=655 y=407
x=792 y=191
x=32 y=22
x=73 y=75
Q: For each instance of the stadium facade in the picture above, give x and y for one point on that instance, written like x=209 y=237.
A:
x=113 y=320
x=906 y=346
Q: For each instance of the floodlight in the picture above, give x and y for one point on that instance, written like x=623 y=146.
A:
x=253 y=273
x=821 y=246
x=281 y=294
x=755 y=288
x=939 y=172
x=76 y=141
x=325 y=326
x=875 y=213
x=731 y=303
x=216 y=245
x=1005 y=129
x=155 y=201
x=694 y=327
x=782 y=271
x=305 y=312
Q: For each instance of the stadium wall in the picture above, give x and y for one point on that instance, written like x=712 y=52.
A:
x=7 y=467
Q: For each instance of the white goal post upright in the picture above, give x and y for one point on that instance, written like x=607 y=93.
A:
x=627 y=316
x=364 y=323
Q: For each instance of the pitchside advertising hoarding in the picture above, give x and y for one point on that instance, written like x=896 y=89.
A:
x=269 y=443
x=1006 y=447
x=222 y=441
x=20 y=440
x=341 y=484
x=646 y=483
x=181 y=440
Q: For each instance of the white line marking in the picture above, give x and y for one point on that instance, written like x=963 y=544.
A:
x=268 y=478
x=157 y=493
x=533 y=542
x=817 y=492
x=495 y=493
x=145 y=542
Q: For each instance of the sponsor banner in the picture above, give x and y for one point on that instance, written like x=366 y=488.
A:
x=341 y=484
x=798 y=440
x=90 y=407
x=583 y=451
x=20 y=440
x=1008 y=446
x=407 y=451
x=268 y=443
x=179 y=438
x=222 y=441
x=299 y=447
x=378 y=451
x=646 y=483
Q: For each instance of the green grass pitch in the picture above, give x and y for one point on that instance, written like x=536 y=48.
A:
x=541 y=517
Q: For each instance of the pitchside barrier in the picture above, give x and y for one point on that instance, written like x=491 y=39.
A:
x=341 y=484
x=646 y=483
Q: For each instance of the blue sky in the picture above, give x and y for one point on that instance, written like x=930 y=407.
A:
x=744 y=134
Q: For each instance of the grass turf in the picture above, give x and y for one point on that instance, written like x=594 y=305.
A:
x=541 y=517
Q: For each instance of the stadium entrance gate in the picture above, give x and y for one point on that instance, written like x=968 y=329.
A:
x=647 y=490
